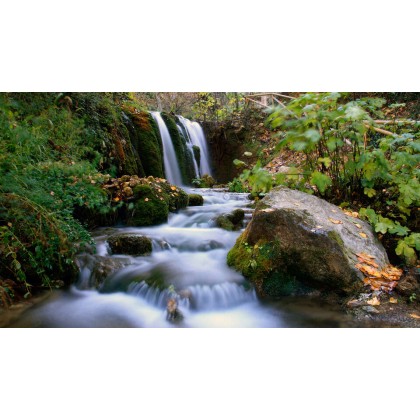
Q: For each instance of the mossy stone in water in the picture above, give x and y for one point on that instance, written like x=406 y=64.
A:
x=236 y=217
x=231 y=221
x=130 y=244
x=224 y=223
x=195 y=200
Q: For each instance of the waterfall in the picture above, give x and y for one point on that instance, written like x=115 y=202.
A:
x=172 y=172
x=190 y=149
x=197 y=138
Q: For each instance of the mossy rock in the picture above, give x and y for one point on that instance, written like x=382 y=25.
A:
x=130 y=244
x=195 y=200
x=236 y=217
x=144 y=201
x=231 y=221
x=148 y=209
x=224 y=223
x=197 y=154
x=296 y=242
x=146 y=140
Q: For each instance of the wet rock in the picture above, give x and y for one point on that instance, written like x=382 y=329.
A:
x=231 y=221
x=195 y=200
x=236 y=217
x=298 y=239
x=173 y=314
x=209 y=245
x=105 y=266
x=370 y=309
x=130 y=244
x=409 y=283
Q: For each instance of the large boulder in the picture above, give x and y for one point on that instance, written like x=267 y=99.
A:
x=297 y=242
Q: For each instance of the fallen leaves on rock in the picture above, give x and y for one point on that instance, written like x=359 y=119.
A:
x=335 y=221
x=363 y=235
x=415 y=316
x=374 y=301
x=351 y=213
x=393 y=300
x=385 y=279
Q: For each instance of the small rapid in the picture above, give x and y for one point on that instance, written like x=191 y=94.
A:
x=187 y=264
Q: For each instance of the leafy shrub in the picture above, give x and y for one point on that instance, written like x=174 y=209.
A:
x=349 y=160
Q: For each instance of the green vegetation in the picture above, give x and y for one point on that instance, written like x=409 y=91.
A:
x=45 y=179
x=257 y=263
x=145 y=139
x=350 y=161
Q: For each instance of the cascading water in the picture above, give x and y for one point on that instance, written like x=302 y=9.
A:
x=188 y=264
x=172 y=172
x=197 y=138
x=191 y=150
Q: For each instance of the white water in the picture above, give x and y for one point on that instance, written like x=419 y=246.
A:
x=189 y=254
x=172 y=172
x=197 y=138
x=191 y=150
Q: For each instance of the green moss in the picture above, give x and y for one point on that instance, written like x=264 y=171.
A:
x=195 y=200
x=130 y=244
x=197 y=154
x=148 y=209
x=224 y=223
x=146 y=140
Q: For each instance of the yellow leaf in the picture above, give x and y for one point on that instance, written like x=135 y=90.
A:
x=336 y=222
x=358 y=225
x=393 y=300
x=374 y=301
x=146 y=199
x=363 y=235
x=415 y=316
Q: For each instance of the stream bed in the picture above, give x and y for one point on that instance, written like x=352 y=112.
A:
x=189 y=254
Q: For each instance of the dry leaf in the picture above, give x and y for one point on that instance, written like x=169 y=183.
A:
x=336 y=222
x=146 y=199
x=374 y=301
x=359 y=226
x=363 y=235
x=393 y=300
x=415 y=316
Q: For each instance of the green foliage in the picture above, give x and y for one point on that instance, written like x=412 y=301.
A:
x=45 y=178
x=347 y=160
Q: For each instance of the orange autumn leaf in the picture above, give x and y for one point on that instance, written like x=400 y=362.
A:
x=393 y=300
x=415 y=316
x=374 y=301
x=363 y=235
x=336 y=222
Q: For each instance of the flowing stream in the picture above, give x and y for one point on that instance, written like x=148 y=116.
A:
x=189 y=255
